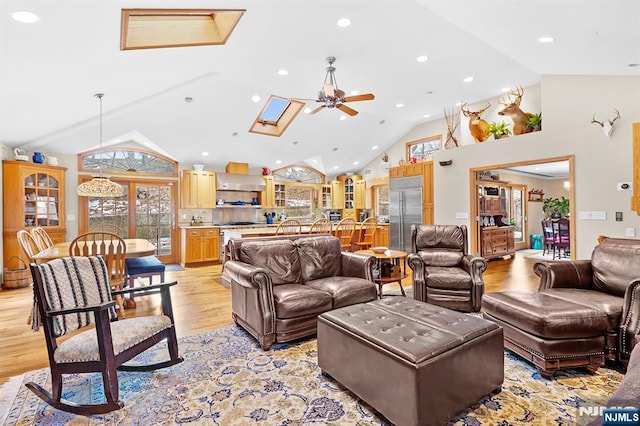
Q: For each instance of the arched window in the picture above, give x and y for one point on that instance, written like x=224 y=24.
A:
x=127 y=160
x=296 y=173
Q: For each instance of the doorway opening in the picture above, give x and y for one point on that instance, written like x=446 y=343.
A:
x=552 y=177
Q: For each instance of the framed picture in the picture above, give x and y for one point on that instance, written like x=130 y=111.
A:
x=536 y=196
x=423 y=149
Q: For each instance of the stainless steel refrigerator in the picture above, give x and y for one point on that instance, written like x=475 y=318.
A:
x=405 y=209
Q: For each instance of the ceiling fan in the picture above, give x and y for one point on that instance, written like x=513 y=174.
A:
x=332 y=97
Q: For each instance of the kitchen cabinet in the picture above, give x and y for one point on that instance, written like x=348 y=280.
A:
x=33 y=195
x=198 y=189
x=200 y=245
x=326 y=200
x=381 y=239
x=353 y=193
x=337 y=194
x=497 y=241
x=360 y=193
x=411 y=169
x=279 y=196
x=267 y=196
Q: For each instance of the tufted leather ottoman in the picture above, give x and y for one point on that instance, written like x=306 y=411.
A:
x=416 y=363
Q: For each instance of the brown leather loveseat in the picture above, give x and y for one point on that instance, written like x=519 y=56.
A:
x=584 y=310
x=279 y=285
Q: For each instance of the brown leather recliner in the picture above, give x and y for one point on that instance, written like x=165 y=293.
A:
x=279 y=285
x=584 y=310
x=444 y=274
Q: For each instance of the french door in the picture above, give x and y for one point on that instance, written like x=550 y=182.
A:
x=147 y=210
x=518 y=215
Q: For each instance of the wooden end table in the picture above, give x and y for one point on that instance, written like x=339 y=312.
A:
x=394 y=257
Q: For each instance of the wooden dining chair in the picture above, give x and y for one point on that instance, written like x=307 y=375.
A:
x=289 y=227
x=73 y=296
x=321 y=226
x=28 y=244
x=366 y=233
x=107 y=227
x=345 y=230
x=41 y=237
x=561 y=238
x=112 y=248
x=547 y=235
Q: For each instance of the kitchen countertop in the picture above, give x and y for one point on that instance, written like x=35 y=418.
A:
x=255 y=225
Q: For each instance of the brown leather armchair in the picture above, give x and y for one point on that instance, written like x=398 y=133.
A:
x=584 y=310
x=444 y=274
x=279 y=285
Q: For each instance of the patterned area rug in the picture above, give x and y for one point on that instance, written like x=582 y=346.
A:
x=227 y=379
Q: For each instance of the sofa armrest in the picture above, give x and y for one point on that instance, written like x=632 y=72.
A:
x=416 y=263
x=565 y=274
x=474 y=266
x=630 y=323
x=246 y=275
x=357 y=265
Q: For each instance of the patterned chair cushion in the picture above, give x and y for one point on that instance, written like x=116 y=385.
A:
x=125 y=333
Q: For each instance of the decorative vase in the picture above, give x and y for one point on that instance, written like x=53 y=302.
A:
x=265 y=171
x=38 y=157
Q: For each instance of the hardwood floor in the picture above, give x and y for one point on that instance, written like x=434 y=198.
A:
x=200 y=303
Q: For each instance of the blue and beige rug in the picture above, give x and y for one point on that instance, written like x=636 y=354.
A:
x=227 y=379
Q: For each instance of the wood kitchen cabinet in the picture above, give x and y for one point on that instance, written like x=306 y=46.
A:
x=353 y=195
x=337 y=194
x=200 y=245
x=33 y=195
x=267 y=196
x=198 y=190
x=381 y=239
x=360 y=194
x=411 y=169
x=326 y=199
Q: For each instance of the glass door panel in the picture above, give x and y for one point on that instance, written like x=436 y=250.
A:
x=154 y=217
x=518 y=215
x=110 y=212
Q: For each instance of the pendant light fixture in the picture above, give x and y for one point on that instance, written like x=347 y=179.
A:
x=100 y=186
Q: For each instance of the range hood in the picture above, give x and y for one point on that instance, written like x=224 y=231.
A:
x=237 y=182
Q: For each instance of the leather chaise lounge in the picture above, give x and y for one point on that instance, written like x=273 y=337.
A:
x=584 y=312
x=279 y=285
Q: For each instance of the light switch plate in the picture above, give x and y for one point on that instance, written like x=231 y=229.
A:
x=630 y=232
x=462 y=215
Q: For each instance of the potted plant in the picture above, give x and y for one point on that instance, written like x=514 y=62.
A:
x=498 y=130
x=556 y=207
x=534 y=122
x=385 y=161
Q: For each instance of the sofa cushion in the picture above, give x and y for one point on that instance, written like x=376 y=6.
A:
x=443 y=258
x=447 y=278
x=607 y=303
x=278 y=257
x=319 y=257
x=346 y=290
x=296 y=300
x=615 y=265
x=440 y=245
x=545 y=316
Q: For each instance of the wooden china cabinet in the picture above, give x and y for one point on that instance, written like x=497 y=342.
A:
x=33 y=195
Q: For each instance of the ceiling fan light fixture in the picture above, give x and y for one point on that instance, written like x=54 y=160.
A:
x=100 y=186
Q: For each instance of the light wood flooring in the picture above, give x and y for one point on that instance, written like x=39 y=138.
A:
x=200 y=303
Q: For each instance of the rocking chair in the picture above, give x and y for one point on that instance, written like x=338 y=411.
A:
x=74 y=292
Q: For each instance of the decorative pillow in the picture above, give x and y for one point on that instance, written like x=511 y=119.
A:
x=278 y=257
x=320 y=257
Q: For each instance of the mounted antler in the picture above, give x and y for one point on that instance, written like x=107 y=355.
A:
x=512 y=109
x=477 y=126
x=607 y=127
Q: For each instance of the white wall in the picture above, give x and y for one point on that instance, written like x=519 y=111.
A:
x=567 y=105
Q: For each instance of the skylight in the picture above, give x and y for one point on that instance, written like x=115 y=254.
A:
x=273 y=110
x=276 y=116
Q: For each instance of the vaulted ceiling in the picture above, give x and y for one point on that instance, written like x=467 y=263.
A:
x=50 y=70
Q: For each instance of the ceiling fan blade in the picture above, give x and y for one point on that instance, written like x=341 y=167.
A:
x=317 y=109
x=347 y=110
x=328 y=90
x=364 y=97
x=305 y=100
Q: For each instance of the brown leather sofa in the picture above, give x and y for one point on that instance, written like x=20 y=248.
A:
x=584 y=310
x=444 y=274
x=279 y=285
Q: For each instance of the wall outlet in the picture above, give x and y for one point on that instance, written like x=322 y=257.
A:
x=624 y=186
x=630 y=232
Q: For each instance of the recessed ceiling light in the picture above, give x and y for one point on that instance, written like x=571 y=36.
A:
x=335 y=148
x=381 y=122
x=468 y=79
x=353 y=92
x=634 y=65
x=314 y=160
x=25 y=17
x=343 y=117
x=459 y=104
x=295 y=142
x=307 y=110
x=283 y=72
x=426 y=116
x=374 y=147
x=204 y=153
x=188 y=99
x=278 y=161
x=546 y=39
x=344 y=22
x=399 y=105
x=422 y=58
x=505 y=89
x=355 y=163
x=255 y=98
x=234 y=134
x=335 y=167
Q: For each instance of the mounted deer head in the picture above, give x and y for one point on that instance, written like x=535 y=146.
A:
x=512 y=109
x=607 y=127
x=477 y=126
